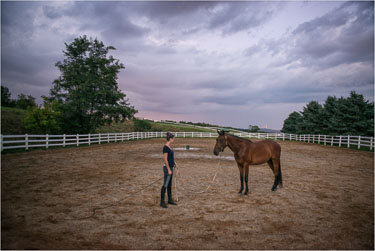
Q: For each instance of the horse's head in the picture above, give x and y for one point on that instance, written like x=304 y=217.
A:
x=221 y=142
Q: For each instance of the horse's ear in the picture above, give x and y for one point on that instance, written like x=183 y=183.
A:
x=219 y=131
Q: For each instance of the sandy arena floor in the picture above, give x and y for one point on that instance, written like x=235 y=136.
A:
x=47 y=198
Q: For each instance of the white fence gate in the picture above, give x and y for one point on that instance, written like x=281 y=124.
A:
x=46 y=141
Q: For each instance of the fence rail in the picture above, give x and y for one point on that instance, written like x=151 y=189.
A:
x=46 y=141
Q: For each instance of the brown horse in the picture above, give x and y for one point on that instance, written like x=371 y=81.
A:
x=248 y=153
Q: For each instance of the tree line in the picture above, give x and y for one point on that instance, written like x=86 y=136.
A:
x=22 y=102
x=337 y=116
x=84 y=97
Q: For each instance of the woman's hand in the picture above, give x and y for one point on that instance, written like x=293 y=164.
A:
x=169 y=172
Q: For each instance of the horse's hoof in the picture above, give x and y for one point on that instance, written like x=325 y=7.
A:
x=273 y=188
x=245 y=194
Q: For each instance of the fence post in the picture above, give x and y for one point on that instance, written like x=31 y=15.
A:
x=122 y=137
x=348 y=141
x=77 y=137
x=340 y=141
x=325 y=140
x=89 y=139
x=26 y=142
x=107 y=137
x=371 y=142
x=359 y=142
x=64 y=140
x=47 y=141
x=1 y=145
x=100 y=138
x=319 y=139
x=332 y=137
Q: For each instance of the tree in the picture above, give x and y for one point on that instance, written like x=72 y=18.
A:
x=330 y=120
x=24 y=102
x=293 y=123
x=338 y=116
x=44 y=120
x=87 y=88
x=360 y=116
x=312 y=118
x=253 y=128
x=5 y=97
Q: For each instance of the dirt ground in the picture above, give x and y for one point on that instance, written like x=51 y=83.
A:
x=48 y=198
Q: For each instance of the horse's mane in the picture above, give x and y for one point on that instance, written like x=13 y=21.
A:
x=239 y=138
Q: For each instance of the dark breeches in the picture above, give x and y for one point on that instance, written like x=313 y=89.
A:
x=167 y=178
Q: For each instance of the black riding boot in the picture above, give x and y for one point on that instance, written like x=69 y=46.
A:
x=170 y=200
x=162 y=203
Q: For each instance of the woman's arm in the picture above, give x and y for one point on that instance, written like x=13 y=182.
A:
x=166 y=163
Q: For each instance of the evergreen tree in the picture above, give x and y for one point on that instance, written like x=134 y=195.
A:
x=293 y=123
x=344 y=116
x=312 y=118
x=360 y=116
x=330 y=122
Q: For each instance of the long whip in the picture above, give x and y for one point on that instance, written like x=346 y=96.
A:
x=94 y=210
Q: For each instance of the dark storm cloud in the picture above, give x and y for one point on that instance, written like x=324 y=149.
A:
x=162 y=12
x=226 y=17
x=112 y=19
x=232 y=18
x=52 y=12
x=343 y=36
x=17 y=14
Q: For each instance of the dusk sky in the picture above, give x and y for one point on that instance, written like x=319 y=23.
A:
x=227 y=63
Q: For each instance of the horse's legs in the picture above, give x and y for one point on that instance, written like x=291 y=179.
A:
x=240 y=168
x=275 y=164
x=246 y=177
x=271 y=165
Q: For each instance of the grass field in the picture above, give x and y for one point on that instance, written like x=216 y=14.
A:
x=128 y=126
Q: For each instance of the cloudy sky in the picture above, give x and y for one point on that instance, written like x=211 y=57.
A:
x=227 y=63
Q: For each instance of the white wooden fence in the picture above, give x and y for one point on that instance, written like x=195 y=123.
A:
x=46 y=141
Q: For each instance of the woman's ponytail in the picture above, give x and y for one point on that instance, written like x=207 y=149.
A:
x=169 y=136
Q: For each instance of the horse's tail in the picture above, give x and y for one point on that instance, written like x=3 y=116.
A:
x=279 y=176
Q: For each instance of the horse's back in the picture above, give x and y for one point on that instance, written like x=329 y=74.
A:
x=271 y=146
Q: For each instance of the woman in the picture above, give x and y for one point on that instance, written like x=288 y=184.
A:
x=169 y=163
